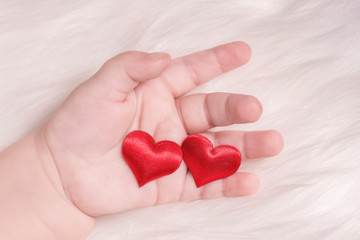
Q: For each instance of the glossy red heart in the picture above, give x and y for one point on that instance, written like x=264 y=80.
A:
x=149 y=160
x=207 y=163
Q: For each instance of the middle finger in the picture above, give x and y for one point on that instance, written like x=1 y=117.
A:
x=200 y=112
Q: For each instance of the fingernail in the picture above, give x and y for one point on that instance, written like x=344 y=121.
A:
x=156 y=55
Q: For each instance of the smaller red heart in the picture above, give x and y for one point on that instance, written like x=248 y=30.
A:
x=207 y=163
x=149 y=160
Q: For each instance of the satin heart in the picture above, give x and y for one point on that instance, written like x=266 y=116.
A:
x=149 y=160
x=207 y=163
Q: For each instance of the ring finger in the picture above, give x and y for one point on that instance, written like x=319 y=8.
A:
x=256 y=144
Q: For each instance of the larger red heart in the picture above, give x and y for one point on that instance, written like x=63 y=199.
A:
x=207 y=163
x=149 y=160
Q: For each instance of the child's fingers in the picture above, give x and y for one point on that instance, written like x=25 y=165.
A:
x=200 y=112
x=187 y=72
x=250 y=144
x=238 y=185
x=257 y=144
x=122 y=73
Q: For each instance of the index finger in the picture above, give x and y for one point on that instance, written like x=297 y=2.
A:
x=185 y=73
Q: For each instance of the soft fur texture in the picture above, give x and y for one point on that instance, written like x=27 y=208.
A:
x=304 y=69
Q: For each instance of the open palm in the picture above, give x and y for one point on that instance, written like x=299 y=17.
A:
x=140 y=91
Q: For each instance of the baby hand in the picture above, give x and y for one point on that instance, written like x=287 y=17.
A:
x=141 y=91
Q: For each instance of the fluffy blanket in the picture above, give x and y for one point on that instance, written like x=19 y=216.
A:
x=304 y=69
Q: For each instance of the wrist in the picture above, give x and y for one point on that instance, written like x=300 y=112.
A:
x=77 y=221
x=33 y=202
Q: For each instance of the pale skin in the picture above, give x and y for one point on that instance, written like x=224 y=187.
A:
x=54 y=182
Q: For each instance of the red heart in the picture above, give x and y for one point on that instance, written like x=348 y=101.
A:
x=207 y=163
x=147 y=160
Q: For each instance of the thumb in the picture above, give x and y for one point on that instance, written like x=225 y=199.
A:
x=122 y=73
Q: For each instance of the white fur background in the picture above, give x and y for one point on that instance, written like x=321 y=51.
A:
x=305 y=69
